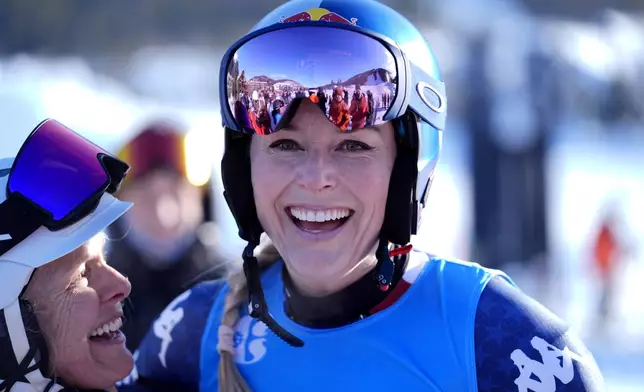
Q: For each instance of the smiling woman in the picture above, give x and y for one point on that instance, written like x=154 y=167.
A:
x=321 y=189
x=77 y=301
x=60 y=303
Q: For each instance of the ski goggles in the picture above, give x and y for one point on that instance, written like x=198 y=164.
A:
x=360 y=78
x=56 y=180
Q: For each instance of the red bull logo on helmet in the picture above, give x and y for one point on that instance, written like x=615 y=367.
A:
x=318 y=14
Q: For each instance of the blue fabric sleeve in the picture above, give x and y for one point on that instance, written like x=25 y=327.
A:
x=168 y=357
x=522 y=346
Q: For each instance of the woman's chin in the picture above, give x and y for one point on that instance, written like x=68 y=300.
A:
x=114 y=363
x=317 y=277
x=103 y=380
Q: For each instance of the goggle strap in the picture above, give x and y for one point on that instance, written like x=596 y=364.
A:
x=18 y=220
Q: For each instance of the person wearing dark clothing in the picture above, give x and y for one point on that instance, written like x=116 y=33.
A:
x=156 y=283
x=167 y=241
x=371 y=119
x=322 y=100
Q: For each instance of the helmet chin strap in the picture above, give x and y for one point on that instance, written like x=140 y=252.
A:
x=400 y=222
x=258 y=307
x=23 y=354
x=384 y=271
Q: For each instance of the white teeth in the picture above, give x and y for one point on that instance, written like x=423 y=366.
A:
x=112 y=326
x=319 y=215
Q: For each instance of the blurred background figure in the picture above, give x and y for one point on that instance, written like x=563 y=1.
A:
x=168 y=241
x=611 y=249
x=606 y=256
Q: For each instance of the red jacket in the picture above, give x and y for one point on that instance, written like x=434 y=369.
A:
x=339 y=114
x=359 y=112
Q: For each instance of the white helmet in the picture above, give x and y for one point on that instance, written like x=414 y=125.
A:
x=44 y=246
x=16 y=268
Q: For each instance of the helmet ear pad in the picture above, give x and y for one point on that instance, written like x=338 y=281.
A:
x=401 y=210
x=238 y=187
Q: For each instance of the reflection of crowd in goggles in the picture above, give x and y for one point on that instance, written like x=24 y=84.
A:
x=262 y=109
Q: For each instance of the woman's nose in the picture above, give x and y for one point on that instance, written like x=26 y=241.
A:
x=317 y=172
x=110 y=284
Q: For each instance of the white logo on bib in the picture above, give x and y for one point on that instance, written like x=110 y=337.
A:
x=166 y=322
x=555 y=363
x=249 y=340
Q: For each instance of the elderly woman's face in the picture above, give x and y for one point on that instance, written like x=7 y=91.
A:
x=321 y=195
x=73 y=297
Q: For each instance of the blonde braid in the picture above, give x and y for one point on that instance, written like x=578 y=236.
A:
x=230 y=380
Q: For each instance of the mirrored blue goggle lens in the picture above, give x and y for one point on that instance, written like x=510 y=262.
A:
x=58 y=169
x=350 y=76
